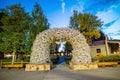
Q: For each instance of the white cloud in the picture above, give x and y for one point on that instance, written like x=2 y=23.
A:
x=108 y=16
x=115 y=27
x=115 y=37
x=63 y=6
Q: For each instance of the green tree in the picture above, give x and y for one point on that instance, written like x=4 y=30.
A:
x=52 y=48
x=18 y=29
x=102 y=37
x=39 y=19
x=68 y=47
x=87 y=24
x=15 y=22
x=38 y=24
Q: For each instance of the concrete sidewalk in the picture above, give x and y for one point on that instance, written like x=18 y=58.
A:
x=62 y=72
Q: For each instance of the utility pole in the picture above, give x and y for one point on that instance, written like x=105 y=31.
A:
x=119 y=47
x=106 y=44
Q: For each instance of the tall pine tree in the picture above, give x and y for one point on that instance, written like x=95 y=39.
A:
x=39 y=19
x=38 y=24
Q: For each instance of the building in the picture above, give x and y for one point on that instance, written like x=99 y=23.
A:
x=105 y=47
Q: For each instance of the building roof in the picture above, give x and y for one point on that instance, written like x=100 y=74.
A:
x=102 y=42
x=111 y=41
x=96 y=43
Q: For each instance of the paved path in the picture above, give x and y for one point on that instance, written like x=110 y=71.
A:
x=62 y=72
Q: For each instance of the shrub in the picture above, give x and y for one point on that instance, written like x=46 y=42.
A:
x=54 y=60
x=6 y=60
x=26 y=59
x=67 y=60
x=110 y=58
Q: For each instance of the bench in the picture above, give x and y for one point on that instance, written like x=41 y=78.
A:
x=107 y=64
x=13 y=66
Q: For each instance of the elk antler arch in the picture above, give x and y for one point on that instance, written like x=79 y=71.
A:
x=41 y=52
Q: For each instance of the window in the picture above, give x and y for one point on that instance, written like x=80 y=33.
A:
x=98 y=50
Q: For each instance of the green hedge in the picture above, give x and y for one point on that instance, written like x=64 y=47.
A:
x=110 y=58
x=26 y=59
x=6 y=60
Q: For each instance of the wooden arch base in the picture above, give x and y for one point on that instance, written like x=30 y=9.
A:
x=38 y=67
x=83 y=67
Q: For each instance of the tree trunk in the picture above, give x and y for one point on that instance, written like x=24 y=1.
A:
x=13 y=57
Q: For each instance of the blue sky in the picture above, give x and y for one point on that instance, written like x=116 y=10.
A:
x=58 y=12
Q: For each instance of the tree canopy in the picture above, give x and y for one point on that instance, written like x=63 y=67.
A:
x=38 y=24
x=87 y=24
x=14 y=21
x=39 y=19
x=18 y=29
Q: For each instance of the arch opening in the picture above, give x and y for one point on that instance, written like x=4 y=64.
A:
x=60 y=51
